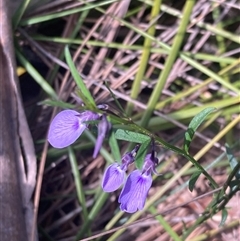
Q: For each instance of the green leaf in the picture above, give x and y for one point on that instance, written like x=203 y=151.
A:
x=77 y=180
x=224 y=217
x=193 y=180
x=58 y=103
x=194 y=124
x=84 y=93
x=19 y=12
x=114 y=147
x=141 y=154
x=131 y=136
x=59 y=14
x=233 y=161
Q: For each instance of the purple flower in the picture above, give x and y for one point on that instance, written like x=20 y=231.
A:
x=114 y=175
x=67 y=126
x=103 y=128
x=135 y=190
x=113 y=178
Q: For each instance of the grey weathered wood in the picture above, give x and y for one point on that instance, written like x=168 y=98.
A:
x=14 y=191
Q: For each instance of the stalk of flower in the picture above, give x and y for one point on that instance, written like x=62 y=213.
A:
x=114 y=175
x=68 y=125
x=135 y=190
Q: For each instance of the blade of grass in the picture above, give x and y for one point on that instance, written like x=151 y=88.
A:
x=197 y=56
x=61 y=104
x=196 y=87
x=98 y=204
x=165 y=225
x=145 y=55
x=114 y=147
x=35 y=74
x=77 y=181
x=190 y=61
x=191 y=112
x=169 y=63
x=19 y=13
x=39 y=19
x=209 y=27
x=86 y=95
x=101 y=200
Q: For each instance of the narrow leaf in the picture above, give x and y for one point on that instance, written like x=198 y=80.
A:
x=193 y=180
x=114 y=147
x=58 y=103
x=35 y=74
x=194 y=124
x=77 y=180
x=85 y=94
x=141 y=154
x=224 y=217
x=130 y=136
x=233 y=161
x=19 y=12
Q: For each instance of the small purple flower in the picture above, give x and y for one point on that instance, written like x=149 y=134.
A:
x=67 y=126
x=103 y=128
x=135 y=190
x=114 y=175
x=134 y=193
x=113 y=178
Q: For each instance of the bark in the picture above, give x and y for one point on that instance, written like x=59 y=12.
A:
x=15 y=190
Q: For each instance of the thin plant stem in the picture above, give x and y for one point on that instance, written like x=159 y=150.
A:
x=169 y=63
x=145 y=56
x=77 y=181
x=165 y=225
x=19 y=13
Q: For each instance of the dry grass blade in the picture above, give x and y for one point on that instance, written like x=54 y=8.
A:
x=168 y=210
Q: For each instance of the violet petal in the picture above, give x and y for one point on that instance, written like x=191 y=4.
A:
x=150 y=164
x=103 y=128
x=98 y=145
x=65 y=128
x=113 y=178
x=127 y=159
x=88 y=116
x=134 y=192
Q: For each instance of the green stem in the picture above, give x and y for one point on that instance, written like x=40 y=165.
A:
x=94 y=212
x=169 y=63
x=19 y=13
x=78 y=183
x=210 y=211
x=165 y=225
x=145 y=55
